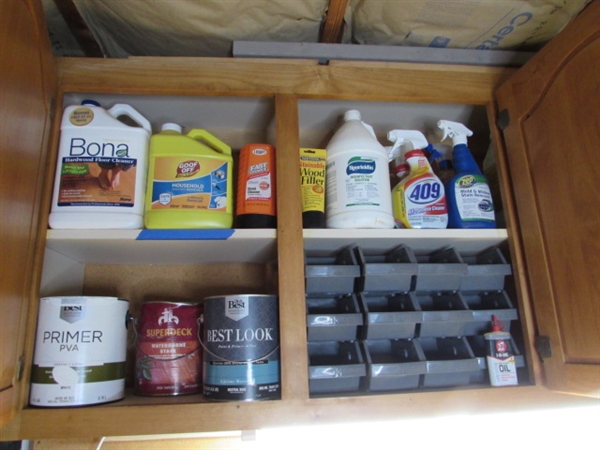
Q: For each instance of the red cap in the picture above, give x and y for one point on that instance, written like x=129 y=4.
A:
x=496 y=324
x=402 y=169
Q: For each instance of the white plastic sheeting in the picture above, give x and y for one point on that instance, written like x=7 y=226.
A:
x=197 y=27
x=485 y=24
x=209 y=27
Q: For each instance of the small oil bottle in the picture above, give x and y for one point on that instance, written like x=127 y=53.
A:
x=500 y=356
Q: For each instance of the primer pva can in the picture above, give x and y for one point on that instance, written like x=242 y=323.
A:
x=80 y=349
x=168 y=350
x=241 y=348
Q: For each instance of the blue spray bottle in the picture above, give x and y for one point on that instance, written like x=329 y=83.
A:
x=468 y=192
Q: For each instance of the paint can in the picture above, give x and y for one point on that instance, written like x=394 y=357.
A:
x=168 y=350
x=80 y=351
x=241 y=348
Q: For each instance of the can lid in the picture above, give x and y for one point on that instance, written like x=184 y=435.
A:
x=171 y=127
x=402 y=170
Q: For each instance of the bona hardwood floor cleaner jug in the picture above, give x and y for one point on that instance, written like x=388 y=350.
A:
x=101 y=169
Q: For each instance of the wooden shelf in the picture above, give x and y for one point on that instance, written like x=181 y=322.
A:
x=327 y=242
x=164 y=246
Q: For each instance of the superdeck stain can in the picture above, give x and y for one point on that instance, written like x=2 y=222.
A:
x=168 y=350
x=241 y=348
x=80 y=351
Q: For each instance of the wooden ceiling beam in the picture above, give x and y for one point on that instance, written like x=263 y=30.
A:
x=79 y=28
x=334 y=22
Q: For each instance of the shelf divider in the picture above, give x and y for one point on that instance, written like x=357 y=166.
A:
x=292 y=309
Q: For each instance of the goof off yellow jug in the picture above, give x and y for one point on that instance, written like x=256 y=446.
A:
x=189 y=180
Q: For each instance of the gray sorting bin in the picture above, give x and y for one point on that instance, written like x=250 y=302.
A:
x=486 y=271
x=393 y=365
x=334 y=318
x=391 y=316
x=332 y=275
x=335 y=367
x=484 y=305
x=450 y=361
x=390 y=272
x=440 y=271
x=445 y=314
x=480 y=376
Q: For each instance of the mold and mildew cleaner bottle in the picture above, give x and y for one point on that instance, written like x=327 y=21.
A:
x=468 y=193
x=358 y=193
x=101 y=170
x=418 y=199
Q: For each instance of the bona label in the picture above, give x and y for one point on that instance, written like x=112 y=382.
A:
x=241 y=343
x=80 y=351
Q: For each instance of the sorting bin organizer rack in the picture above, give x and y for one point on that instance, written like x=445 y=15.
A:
x=433 y=307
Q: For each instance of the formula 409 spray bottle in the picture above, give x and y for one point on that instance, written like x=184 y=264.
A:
x=418 y=199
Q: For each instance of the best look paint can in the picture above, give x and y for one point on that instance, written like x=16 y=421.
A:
x=240 y=335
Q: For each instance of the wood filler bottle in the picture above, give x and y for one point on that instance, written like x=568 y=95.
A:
x=312 y=185
x=256 y=190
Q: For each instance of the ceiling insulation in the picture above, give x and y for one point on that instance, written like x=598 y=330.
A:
x=121 y=28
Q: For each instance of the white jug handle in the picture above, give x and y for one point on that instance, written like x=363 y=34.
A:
x=369 y=129
x=126 y=110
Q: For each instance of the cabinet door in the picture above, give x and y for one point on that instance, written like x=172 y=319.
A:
x=25 y=92
x=551 y=123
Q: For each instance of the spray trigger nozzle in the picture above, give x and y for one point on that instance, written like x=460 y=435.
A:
x=456 y=131
x=407 y=140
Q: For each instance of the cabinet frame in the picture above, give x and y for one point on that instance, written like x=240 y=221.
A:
x=286 y=81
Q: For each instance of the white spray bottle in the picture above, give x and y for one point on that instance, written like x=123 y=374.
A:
x=418 y=200
x=470 y=203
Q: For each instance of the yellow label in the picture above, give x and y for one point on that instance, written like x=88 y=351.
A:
x=189 y=184
x=81 y=116
x=312 y=178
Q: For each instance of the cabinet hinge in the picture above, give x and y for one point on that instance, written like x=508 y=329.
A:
x=503 y=120
x=543 y=347
x=20 y=367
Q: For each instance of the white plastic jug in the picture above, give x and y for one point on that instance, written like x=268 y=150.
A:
x=101 y=170
x=358 y=193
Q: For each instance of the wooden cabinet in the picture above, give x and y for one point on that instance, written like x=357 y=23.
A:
x=26 y=90
x=550 y=124
x=552 y=258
